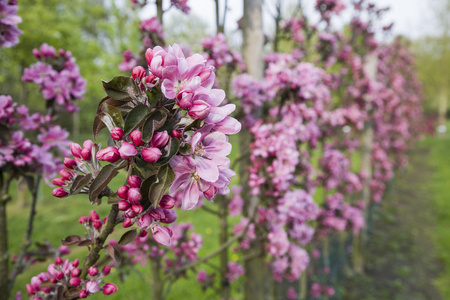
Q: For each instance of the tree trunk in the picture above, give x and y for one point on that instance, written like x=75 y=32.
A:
x=157 y=285
x=4 y=254
x=225 y=287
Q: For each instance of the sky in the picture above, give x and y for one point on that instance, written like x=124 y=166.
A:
x=412 y=18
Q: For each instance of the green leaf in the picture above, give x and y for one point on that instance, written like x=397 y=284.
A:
x=165 y=178
x=153 y=123
x=153 y=96
x=72 y=239
x=127 y=237
x=114 y=252
x=174 y=146
x=136 y=117
x=116 y=116
x=145 y=188
x=107 y=173
x=97 y=126
x=79 y=182
x=121 y=88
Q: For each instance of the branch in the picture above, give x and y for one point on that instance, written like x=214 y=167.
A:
x=93 y=256
x=210 y=210
x=20 y=266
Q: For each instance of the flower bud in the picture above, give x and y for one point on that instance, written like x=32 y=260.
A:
x=210 y=192
x=58 y=261
x=59 y=182
x=60 y=192
x=75 y=281
x=93 y=271
x=149 y=56
x=143 y=233
x=134 y=195
x=109 y=154
x=92 y=286
x=122 y=192
x=176 y=134
x=151 y=154
x=159 y=139
x=127 y=150
x=69 y=163
x=170 y=216
x=138 y=73
x=117 y=133
x=134 y=181
x=136 y=138
x=75 y=263
x=86 y=154
x=124 y=205
x=66 y=175
x=53 y=280
x=145 y=221
x=129 y=213
x=36 y=53
x=199 y=110
x=76 y=272
x=59 y=275
x=75 y=149
x=106 y=269
x=88 y=144
x=109 y=289
x=137 y=208
x=167 y=202
x=127 y=223
x=150 y=78
x=83 y=220
x=161 y=234
x=83 y=294
x=94 y=215
x=157 y=213
x=184 y=100
x=97 y=224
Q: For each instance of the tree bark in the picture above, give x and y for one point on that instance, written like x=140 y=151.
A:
x=159 y=11
x=157 y=285
x=223 y=238
x=4 y=253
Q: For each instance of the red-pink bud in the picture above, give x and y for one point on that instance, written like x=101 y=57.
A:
x=134 y=195
x=150 y=78
x=83 y=294
x=151 y=154
x=159 y=139
x=127 y=150
x=97 y=224
x=58 y=261
x=75 y=281
x=145 y=221
x=124 y=205
x=88 y=144
x=60 y=192
x=149 y=56
x=137 y=208
x=76 y=272
x=86 y=154
x=53 y=280
x=170 y=216
x=161 y=234
x=109 y=289
x=94 y=215
x=93 y=271
x=167 y=202
x=106 y=269
x=138 y=72
x=117 y=133
x=75 y=263
x=69 y=163
x=59 y=275
x=122 y=192
x=136 y=138
x=143 y=233
x=75 y=149
x=176 y=134
x=59 y=182
x=199 y=110
x=129 y=213
x=36 y=53
x=134 y=181
x=83 y=220
x=109 y=154
x=127 y=223
x=210 y=192
x=66 y=175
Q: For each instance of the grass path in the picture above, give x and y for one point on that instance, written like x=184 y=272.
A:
x=408 y=256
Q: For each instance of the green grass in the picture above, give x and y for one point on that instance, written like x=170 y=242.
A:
x=440 y=154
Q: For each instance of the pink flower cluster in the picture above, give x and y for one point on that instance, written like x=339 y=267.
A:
x=181 y=5
x=57 y=75
x=318 y=290
x=64 y=277
x=218 y=52
x=9 y=33
x=39 y=155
